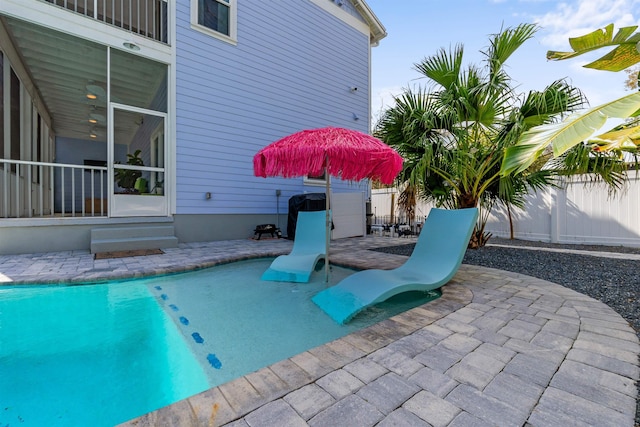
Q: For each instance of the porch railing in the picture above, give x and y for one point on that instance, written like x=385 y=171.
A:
x=51 y=190
x=147 y=18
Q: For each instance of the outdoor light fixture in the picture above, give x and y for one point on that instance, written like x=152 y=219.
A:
x=96 y=118
x=131 y=45
x=95 y=132
x=94 y=91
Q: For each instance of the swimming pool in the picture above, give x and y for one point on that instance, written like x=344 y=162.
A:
x=104 y=353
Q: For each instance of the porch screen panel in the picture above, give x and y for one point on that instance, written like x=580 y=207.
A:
x=138 y=153
x=3 y=150
x=138 y=82
x=14 y=132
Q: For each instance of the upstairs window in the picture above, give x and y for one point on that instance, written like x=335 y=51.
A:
x=215 y=17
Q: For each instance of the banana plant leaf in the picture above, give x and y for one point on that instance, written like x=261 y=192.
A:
x=621 y=138
x=564 y=135
x=623 y=56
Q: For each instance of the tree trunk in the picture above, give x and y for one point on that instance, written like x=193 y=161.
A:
x=467 y=201
x=477 y=237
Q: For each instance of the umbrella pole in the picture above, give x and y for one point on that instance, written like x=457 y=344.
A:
x=328 y=220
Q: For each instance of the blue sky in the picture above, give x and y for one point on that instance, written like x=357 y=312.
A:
x=418 y=28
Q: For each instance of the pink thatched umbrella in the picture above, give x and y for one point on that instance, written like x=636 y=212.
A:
x=339 y=152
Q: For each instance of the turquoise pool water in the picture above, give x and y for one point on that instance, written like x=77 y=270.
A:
x=102 y=354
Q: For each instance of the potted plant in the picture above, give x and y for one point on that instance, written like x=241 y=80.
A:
x=126 y=178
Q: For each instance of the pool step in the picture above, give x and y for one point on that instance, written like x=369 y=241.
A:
x=132 y=238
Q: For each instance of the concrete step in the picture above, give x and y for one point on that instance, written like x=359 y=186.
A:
x=114 y=239
x=132 y=232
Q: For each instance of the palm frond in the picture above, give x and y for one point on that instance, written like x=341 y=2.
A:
x=592 y=167
x=558 y=98
x=505 y=43
x=443 y=67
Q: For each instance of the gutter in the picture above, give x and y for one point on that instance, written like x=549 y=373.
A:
x=378 y=32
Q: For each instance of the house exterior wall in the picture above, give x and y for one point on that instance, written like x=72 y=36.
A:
x=292 y=69
x=348 y=7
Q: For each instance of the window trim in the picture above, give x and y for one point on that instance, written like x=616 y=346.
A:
x=157 y=155
x=232 y=38
x=316 y=181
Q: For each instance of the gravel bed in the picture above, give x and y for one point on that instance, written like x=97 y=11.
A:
x=615 y=282
x=579 y=247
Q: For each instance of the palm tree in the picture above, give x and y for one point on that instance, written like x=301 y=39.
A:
x=453 y=136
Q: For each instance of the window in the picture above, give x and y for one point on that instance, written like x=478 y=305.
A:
x=316 y=179
x=215 y=17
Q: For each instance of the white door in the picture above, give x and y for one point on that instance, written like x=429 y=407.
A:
x=137 y=153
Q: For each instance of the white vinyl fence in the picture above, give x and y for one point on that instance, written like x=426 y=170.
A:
x=576 y=213
x=348 y=210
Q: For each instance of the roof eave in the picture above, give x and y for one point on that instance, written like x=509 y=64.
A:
x=378 y=32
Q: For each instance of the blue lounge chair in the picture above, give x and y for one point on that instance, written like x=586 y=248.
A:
x=435 y=259
x=309 y=247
